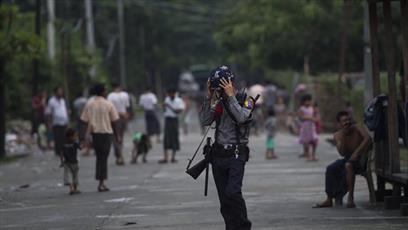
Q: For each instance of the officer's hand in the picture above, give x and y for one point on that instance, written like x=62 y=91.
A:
x=227 y=86
x=210 y=92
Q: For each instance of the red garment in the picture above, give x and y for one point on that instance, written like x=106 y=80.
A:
x=218 y=110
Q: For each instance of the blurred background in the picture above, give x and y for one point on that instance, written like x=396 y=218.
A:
x=318 y=44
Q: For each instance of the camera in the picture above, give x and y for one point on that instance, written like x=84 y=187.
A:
x=221 y=72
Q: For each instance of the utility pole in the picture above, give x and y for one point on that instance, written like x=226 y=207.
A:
x=122 y=64
x=51 y=29
x=90 y=34
x=368 y=91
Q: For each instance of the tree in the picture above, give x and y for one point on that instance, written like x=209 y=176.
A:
x=14 y=43
x=283 y=34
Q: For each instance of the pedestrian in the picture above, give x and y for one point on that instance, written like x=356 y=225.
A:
x=271 y=126
x=187 y=113
x=70 y=159
x=79 y=105
x=101 y=119
x=148 y=102
x=173 y=106
x=39 y=104
x=269 y=95
x=58 y=116
x=229 y=152
x=280 y=112
x=307 y=134
x=120 y=99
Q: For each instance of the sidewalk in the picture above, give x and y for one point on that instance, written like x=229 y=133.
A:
x=279 y=194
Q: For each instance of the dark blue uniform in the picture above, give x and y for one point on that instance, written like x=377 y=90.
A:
x=228 y=157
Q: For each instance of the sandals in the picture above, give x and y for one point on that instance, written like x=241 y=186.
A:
x=322 y=205
x=103 y=189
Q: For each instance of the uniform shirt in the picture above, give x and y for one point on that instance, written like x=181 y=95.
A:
x=58 y=111
x=177 y=103
x=120 y=100
x=100 y=113
x=226 y=127
x=70 y=152
x=148 y=101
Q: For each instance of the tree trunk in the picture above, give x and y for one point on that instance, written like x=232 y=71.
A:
x=51 y=29
x=90 y=34
x=2 y=108
x=34 y=82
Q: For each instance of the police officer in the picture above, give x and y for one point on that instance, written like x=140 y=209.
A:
x=232 y=114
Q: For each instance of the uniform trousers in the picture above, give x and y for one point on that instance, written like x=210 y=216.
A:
x=228 y=174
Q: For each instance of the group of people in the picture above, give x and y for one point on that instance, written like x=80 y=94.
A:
x=101 y=121
x=102 y=118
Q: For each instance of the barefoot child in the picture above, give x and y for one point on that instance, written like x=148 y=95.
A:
x=307 y=134
x=70 y=160
x=270 y=126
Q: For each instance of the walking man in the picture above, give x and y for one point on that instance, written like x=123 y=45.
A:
x=120 y=99
x=58 y=114
x=232 y=113
x=148 y=101
x=101 y=120
x=173 y=106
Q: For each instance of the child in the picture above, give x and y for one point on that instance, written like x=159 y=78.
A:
x=307 y=134
x=141 y=145
x=270 y=126
x=70 y=160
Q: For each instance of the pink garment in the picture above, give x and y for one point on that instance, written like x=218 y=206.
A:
x=307 y=133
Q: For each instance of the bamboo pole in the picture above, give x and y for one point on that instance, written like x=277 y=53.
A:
x=392 y=91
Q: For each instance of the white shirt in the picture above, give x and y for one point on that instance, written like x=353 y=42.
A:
x=120 y=100
x=58 y=111
x=148 y=101
x=177 y=104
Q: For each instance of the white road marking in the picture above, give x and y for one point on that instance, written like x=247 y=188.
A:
x=120 y=200
x=27 y=208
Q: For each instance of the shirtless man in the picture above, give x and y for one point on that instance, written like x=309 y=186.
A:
x=352 y=141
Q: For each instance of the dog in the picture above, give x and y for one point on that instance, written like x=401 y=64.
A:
x=141 y=146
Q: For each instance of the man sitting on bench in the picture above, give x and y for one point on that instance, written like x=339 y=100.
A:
x=352 y=141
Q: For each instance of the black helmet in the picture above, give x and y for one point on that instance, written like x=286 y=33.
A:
x=219 y=73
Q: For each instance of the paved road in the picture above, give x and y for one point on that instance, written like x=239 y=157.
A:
x=279 y=194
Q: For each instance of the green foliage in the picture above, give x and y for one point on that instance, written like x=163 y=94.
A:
x=280 y=34
x=18 y=45
x=15 y=42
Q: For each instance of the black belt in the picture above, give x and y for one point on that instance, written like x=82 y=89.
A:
x=220 y=150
